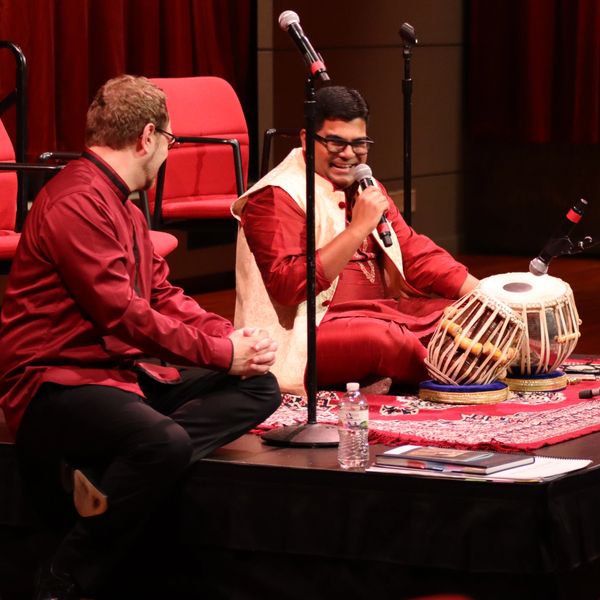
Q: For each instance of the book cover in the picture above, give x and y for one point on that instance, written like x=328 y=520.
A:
x=451 y=459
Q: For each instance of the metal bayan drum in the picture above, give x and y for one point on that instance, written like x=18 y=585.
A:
x=474 y=342
x=547 y=307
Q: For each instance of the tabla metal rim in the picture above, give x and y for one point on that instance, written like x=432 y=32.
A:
x=530 y=384
x=489 y=397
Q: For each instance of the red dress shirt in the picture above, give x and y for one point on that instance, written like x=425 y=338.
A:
x=87 y=295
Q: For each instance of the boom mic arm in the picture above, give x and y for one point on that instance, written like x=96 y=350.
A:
x=560 y=243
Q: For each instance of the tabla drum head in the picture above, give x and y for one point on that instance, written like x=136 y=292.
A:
x=516 y=289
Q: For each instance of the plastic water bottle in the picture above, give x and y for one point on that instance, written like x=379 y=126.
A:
x=353 y=427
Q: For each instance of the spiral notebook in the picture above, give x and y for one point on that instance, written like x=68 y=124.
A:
x=541 y=468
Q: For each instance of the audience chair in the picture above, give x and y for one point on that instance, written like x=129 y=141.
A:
x=12 y=196
x=164 y=243
x=208 y=168
x=17 y=97
x=14 y=193
x=268 y=142
x=9 y=237
x=12 y=203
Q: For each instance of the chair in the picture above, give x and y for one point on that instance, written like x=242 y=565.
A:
x=164 y=243
x=9 y=237
x=18 y=98
x=208 y=170
x=13 y=168
x=13 y=191
x=12 y=203
x=268 y=141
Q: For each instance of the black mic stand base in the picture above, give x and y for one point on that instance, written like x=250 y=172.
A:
x=307 y=435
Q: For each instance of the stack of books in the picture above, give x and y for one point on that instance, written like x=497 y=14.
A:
x=450 y=459
x=452 y=462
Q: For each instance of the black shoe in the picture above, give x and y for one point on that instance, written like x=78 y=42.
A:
x=50 y=585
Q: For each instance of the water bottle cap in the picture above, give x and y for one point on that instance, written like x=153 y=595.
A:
x=352 y=387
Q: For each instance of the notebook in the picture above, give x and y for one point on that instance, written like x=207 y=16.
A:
x=451 y=459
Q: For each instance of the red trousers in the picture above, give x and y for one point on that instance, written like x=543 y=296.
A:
x=362 y=348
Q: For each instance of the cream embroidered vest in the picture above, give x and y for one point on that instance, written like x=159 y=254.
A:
x=288 y=324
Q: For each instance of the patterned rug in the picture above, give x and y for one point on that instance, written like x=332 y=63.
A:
x=525 y=421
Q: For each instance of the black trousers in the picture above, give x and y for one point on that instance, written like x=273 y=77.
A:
x=138 y=448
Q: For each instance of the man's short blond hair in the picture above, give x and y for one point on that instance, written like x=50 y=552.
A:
x=121 y=109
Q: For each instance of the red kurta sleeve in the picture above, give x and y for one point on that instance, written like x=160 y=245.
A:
x=275 y=227
x=171 y=301
x=92 y=264
x=427 y=267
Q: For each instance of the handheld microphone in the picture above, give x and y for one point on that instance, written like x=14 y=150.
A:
x=589 y=393
x=559 y=243
x=289 y=21
x=364 y=176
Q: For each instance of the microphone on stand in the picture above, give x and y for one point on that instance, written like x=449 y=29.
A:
x=409 y=39
x=559 y=243
x=289 y=21
x=407 y=33
x=364 y=175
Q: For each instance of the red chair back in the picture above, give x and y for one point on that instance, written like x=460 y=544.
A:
x=8 y=184
x=200 y=178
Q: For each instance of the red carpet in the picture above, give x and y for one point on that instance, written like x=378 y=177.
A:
x=522 y=422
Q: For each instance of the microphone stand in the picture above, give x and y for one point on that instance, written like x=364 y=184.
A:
x=310 y=434
x=407 y=33
x=563 y=246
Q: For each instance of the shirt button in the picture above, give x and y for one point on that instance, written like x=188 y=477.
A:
x=342 y=205
x=326 y=302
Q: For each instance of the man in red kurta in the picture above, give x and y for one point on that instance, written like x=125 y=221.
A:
x=376 y=306
x=89 y=323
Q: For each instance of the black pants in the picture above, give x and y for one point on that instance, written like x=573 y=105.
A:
x=139 y=449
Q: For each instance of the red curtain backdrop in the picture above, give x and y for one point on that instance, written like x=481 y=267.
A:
x=534 y=70
x=73 y=46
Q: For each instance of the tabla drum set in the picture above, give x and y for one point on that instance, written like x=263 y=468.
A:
x=511 y=332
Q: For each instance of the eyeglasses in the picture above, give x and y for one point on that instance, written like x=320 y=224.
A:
x=172 y=139
x=335 y=144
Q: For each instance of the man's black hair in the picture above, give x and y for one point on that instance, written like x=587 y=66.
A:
x=339 y=102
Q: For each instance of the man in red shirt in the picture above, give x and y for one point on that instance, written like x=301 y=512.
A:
x=89 y=321
x=376 y=305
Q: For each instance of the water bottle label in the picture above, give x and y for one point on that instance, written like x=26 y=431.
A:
x=355 y=419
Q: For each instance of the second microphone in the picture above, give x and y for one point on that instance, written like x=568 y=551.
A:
x=364 y=176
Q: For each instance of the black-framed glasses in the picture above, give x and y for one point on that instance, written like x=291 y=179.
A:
x=172 y=139
x=335 y=144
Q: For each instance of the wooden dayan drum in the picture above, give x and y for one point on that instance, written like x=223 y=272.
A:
x=475 y=341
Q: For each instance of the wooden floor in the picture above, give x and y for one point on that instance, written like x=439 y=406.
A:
x=582 y=274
